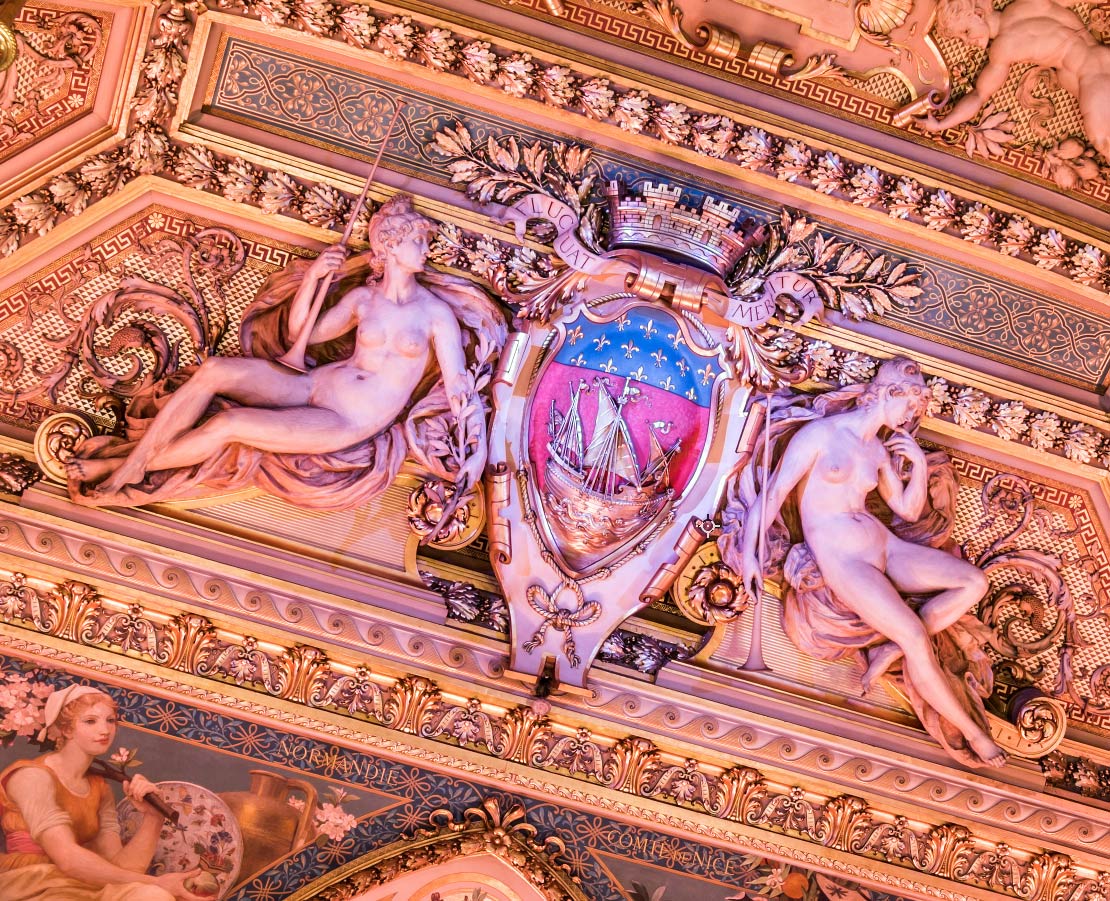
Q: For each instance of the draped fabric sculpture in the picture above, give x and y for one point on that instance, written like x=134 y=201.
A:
x=397 y=361
x=856 y=521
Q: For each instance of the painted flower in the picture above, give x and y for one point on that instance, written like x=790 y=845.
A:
x=334 y=822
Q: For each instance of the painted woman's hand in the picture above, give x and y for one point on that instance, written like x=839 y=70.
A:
x=136 y=789
x=174 y=883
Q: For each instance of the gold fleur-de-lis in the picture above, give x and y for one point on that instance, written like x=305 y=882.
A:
x=682 y=366
x=629 y=349
x=608 y=366
x=659 y=357
x=707 y=374
x=575 y=335
x=601 y=342
x=649 y=329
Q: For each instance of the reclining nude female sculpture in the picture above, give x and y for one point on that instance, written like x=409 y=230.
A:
x=855 y=584
x=331 y=437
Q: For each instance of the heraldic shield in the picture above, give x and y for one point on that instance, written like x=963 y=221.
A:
x=617 y=426
x=608 y=449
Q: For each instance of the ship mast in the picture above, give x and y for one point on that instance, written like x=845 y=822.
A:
x=567 y=433
x=610 y=456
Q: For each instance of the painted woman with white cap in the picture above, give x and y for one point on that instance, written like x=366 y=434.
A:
x=61 y=835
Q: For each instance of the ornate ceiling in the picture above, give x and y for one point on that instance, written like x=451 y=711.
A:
x=185 y=152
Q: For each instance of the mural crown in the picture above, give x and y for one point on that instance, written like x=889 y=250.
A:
x=709 y=237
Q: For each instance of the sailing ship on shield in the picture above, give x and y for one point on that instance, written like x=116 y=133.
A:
x=596 y=491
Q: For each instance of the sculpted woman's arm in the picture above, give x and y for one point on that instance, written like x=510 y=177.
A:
x=322 y=267
x=797 y=461
x=905 y=499
x=447 y=342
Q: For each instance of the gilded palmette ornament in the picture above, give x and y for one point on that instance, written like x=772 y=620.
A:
x=946 y=846
x=521 y=733
x=188 y=637
x=411 y=703
x=839 y=821
x=737 y=790
x=67 y=610
x=631 y=765
x=305 y=666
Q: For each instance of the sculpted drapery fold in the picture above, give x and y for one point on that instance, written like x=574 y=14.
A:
x=858 y=527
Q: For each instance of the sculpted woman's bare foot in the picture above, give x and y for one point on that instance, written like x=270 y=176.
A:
x=132 y=470
x=987 y=750
x=879 y=659
x=90 y=471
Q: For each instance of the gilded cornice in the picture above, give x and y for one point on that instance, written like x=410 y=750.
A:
x=422 y=680
x=478 y=767
x=732 y=803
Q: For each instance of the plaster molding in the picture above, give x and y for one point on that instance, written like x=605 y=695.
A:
x=559 y=788
x=306 y=677
x=406 y=629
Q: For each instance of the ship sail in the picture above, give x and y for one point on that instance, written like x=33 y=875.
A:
x=596 y=495
x=607 y=463
x=566 y=431
x=658 y=467
x=610 y=457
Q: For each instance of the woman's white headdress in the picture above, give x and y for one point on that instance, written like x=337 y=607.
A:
x=58 y=700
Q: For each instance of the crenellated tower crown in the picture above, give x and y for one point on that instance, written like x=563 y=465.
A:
x=711 y=237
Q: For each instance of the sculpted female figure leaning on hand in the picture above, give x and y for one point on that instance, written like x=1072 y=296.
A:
x=852 y=575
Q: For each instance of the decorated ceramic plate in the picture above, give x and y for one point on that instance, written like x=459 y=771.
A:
x=211 y=838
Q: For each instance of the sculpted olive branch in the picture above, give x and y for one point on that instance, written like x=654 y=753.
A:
x=842 y=275
x=504 y=171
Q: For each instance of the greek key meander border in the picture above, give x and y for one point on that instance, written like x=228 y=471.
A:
x=73 y=612
x=1049 y=239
